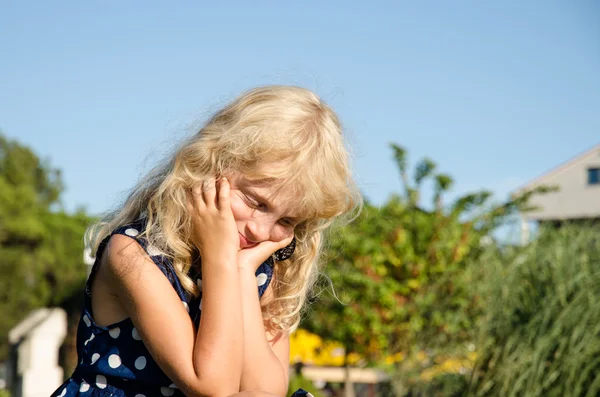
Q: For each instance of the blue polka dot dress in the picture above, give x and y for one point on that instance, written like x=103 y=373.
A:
x=113 y=360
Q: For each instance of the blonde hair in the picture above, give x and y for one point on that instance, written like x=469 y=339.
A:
x=283 y=125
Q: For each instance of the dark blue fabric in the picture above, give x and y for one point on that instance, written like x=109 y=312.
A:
x=113 y=360
x=301 y=393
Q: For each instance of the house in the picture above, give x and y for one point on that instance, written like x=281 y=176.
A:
x=33 y=367
x=576 y=199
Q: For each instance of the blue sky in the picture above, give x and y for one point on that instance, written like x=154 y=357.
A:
x=495 y=92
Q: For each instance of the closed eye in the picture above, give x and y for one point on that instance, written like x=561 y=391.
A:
x=287 y=222
x=258 y=203
x=252 y=202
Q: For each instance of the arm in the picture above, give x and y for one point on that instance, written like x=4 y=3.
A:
x=203 y=363
x=270 y=349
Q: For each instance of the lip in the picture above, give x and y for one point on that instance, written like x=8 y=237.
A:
x=245 y=243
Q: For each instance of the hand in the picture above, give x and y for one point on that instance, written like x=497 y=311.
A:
x=252 y=258
x=214 y=230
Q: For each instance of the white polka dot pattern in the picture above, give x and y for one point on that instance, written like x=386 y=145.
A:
x=95 y=358
x=114 y=361
x=261 y=279
x=131 y=232
x=153 y=251
x=86 y=320
x=101 y=381
x=63 y=392
x=89 y=340
x=167 y=391
x=115 y=332
x=135 y=335
x=140 y=363
x=84 y=387
x=186 y=306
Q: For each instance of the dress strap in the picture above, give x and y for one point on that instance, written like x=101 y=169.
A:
x=135 y=230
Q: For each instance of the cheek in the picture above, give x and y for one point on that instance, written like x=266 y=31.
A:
x=240 y=210
x=287 y=233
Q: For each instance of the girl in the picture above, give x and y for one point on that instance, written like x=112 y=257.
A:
x=171 y=304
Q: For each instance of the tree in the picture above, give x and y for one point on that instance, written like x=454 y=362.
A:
x=400 y=270
x=41 y=246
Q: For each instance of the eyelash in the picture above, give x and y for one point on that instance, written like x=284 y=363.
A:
x=254 y=203
x=286 y=223
x=260 y=206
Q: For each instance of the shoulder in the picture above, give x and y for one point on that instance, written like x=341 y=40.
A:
x=136 y=281
x=126 y=250
x=124 y=254
x=127 y=265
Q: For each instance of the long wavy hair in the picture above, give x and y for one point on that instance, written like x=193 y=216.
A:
x=284 y=125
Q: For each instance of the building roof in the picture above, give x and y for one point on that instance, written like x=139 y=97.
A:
x=542 y=179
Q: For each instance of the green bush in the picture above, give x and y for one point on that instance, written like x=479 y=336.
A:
x=540 y=334
x=538 y=325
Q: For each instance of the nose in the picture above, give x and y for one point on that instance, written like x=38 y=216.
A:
x=259 y=229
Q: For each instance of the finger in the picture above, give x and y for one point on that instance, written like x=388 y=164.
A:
x=209 y=192
x=196 y=201
x=224 y=192
x=284 y=243
x=268 y=248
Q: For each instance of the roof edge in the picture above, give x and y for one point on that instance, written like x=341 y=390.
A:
x=560 y=168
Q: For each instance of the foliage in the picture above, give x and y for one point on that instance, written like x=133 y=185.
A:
x=41 y=246
x=541 y=332
x=434 y=374
x=400 y=270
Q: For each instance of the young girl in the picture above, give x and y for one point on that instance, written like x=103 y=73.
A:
x=172 y=306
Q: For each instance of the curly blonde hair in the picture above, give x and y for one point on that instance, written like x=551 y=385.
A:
x=267 y=125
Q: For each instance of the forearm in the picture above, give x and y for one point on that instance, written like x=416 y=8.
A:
x=261 y=369
x=218 y=350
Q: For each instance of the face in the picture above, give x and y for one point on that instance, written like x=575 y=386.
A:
x=259 y=213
